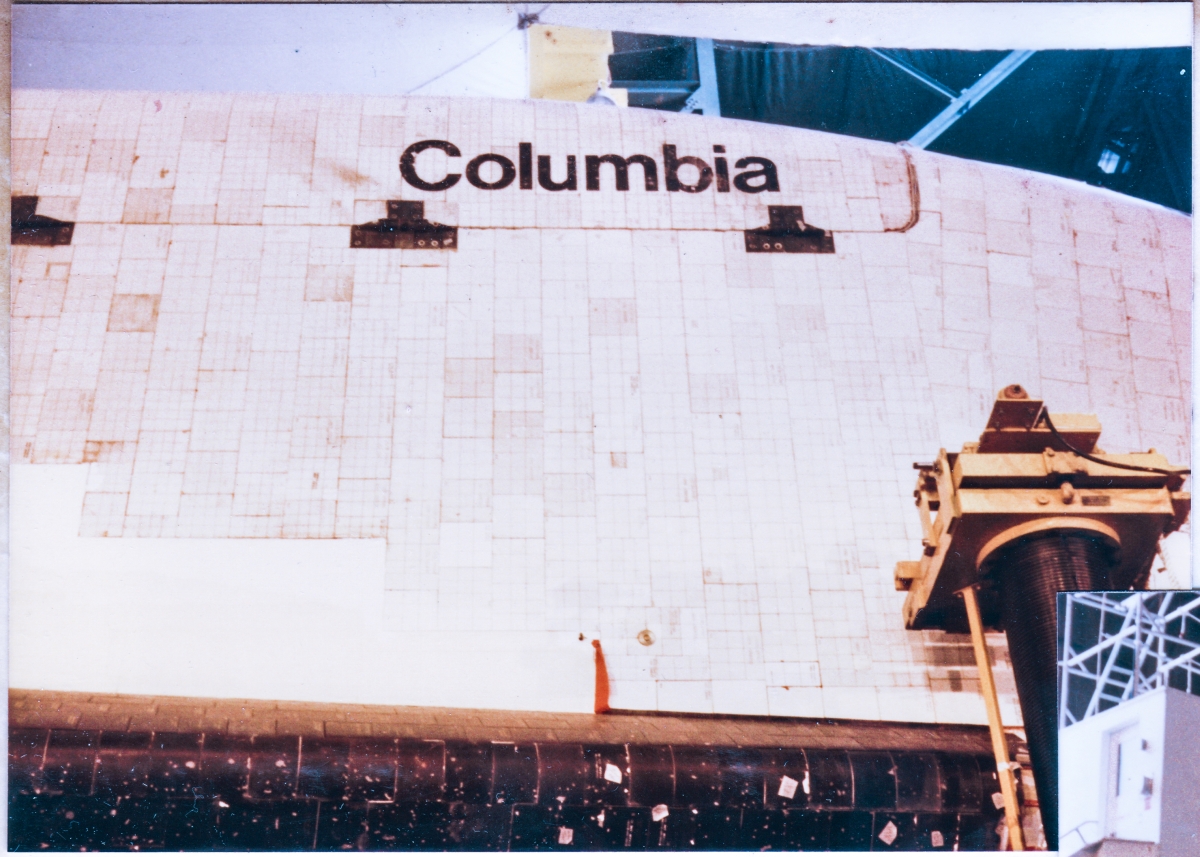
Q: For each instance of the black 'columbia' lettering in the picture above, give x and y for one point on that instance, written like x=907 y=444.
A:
x=507 y=171
x=549 y=184
x=671 y=165
x=621 y=169
x=722 y=171
x=408 y=167
x=525 y=161
x=767 y=171
x=758 y=174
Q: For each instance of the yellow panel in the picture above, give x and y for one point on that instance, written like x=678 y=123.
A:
x=568 y=64
x=572 y=39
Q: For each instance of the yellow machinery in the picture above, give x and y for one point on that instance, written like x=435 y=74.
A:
x=1034 y=508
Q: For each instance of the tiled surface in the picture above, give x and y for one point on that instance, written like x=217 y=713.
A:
x=30 y=709
x=429 y=779
x=599 y=414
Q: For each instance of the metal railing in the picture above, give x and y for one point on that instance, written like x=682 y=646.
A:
x=1114 y=646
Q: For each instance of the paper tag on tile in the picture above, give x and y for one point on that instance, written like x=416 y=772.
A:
x=805 y=785
x=565 y=836
x=888 y=834
x=787 y=787
x=600 y=818
x=612 y=773
x=997 y=800
x=936 y=839
x=659 y=812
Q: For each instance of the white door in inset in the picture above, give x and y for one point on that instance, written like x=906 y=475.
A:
x=1129 y=787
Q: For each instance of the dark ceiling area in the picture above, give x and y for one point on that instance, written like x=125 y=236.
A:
x=1119 y=119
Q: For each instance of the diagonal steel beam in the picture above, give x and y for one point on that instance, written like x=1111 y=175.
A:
x=1143 y=635
x=1103 y=679
x=706 y=99
x=1128 y=628
x=936 y=85
x=968 y=99
x=1181 y=661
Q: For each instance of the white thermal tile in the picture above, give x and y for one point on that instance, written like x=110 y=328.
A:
x=599 y=414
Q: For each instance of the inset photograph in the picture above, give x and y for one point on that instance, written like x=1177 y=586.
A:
x=1129 y=723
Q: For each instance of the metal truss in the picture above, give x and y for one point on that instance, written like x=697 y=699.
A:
x=705 y=99
x=960 y=102
x=1114 y=646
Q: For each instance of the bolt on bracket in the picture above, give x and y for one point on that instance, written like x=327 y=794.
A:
x=29 y=227
x=788 y=233
x=404 y=228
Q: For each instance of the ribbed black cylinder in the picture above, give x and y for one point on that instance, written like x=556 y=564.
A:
x=1031 y=571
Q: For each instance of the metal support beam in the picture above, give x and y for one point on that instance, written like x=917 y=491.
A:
x=1008 y=788
x=657 y=87
x=1100 y=601
x=970 y=96
x=706 y=99
x=935 y=85
x=1156 y=656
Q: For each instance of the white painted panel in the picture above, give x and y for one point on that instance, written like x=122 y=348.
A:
x=599 y=415
x=248 y=618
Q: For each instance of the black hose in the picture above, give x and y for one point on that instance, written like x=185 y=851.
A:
x=1031 y=571
x=1175 y=471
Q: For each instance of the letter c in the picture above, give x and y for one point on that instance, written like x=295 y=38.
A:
x=409 y=171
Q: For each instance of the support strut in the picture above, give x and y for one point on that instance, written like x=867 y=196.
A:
x=1008 y=789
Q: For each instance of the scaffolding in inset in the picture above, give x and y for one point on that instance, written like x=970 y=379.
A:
x=1113 y=646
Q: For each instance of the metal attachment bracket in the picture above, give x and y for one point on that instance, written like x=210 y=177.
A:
x=788 y=233
x=404 y=228
x=29 y=227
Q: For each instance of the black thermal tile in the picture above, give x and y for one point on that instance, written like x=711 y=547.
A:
x=562 y=774
x=226 y=765
x=70 y=762
x=473 y=827
x=545 y=828
x=175 y=766
x=421 y=771
x=273 y=764
x=57 y=823
x=829 y=779
x=807 y=830
x=850 y=831
x=324 y=769
x=625 y=829
x=407 y=826
x=468 y=772
x=703 y=828
x=651 y=775
x=917 y=783
x=274 y=825
x=372 y=769
x=608 y=774
x=874 y=781
x=977 y=833
x=762 y=830
x=342 y=827
x=742 y=777
x=514 y=773
x=697 y=777
x=792 y=764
